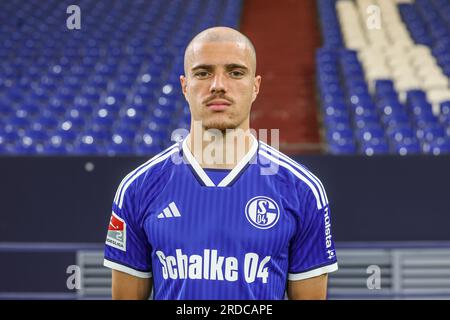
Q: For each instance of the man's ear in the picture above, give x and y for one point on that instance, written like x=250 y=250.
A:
x=183 y=82
x=256 y=86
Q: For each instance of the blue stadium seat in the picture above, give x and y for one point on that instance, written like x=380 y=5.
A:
x=87 y=144
x=339 y=134
x=99 y=134
x=56 y=146
x=67 y=133
x=131 y=117
x=431 y=133
x=20 y=119
x=148 y=144
x=84 y=105
x=400 y=133
x=408 y=148
x=368 y=116
x=365 y=113
x=76 y=118
x=9 y=133
x=444 y=115
x=362 y=123
x=119 y=146
x=125 y=132
x=5 y=147
x=437 y=147
x=6 y=109
x=104 y=117
x=375 y=147
x=384 y=88
x=26 y=146
x=57 y=106
x=367 y=134
x=336 y=110
x=342 y=147
x=37 y=134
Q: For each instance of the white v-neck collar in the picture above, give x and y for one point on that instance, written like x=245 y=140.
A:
x=230 y=176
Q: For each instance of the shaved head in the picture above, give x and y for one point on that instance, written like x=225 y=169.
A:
x=219 y=34
x=220 y=81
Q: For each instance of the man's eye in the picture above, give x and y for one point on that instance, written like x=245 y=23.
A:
x=201 y=74
x=237 y=73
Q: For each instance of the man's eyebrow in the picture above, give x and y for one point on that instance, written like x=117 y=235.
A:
x=202 y=66
x=235 y=66
x=227 y=66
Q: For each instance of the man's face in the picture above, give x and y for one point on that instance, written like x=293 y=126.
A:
x=220 y=85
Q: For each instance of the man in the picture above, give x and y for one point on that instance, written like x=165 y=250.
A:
x=192 y=226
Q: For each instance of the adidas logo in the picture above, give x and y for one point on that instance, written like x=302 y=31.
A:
x=170 y=212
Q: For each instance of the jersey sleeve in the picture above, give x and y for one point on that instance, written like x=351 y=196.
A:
x=127 y=248
x=312 y=251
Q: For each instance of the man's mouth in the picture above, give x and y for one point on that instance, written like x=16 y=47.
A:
x=218 y=105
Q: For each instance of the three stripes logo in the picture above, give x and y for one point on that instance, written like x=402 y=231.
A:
x=170 y=211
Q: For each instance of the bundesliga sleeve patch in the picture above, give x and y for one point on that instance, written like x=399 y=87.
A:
x=117 y=233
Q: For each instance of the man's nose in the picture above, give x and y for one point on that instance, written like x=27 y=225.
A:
x=218 y=84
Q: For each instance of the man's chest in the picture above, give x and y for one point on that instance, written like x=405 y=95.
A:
x=230 y=220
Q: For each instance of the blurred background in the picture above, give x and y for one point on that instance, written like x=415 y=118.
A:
x=359 y=90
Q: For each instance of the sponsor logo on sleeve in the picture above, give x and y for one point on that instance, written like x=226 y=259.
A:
x=328 y=242
x=117 y=233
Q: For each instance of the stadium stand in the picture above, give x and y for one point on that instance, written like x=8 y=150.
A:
x=384 y=85
x=111 y=87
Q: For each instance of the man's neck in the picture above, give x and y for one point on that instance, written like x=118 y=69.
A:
x=215 y=149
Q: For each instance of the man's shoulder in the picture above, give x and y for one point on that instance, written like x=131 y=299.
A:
x=283 y=164
x=148 y=171
x=161 y=162
x=291 y=172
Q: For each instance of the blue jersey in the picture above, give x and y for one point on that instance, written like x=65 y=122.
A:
x=241 y=235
